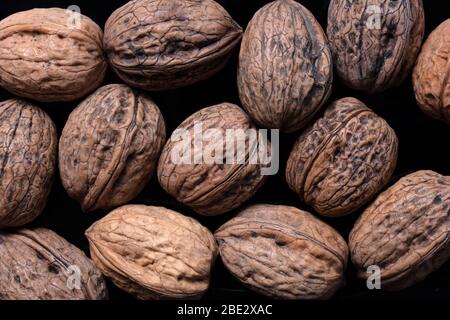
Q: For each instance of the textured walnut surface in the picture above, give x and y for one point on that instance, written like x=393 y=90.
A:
x=283 y=252
x=164 y=44
x=285 y=70
x=212 y=188
x=28 y=145
x=40 y=265
x=109 y=147
x=375 y=42
x=45 y=58
x=343 y=160
x=406 y=231
x=153 y=252
x=431 y=77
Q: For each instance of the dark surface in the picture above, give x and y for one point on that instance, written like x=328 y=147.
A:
x=424 y=144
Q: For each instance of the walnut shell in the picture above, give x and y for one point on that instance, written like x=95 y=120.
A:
x=38 y=264
x=46 y=58
x=375 y=42
x=343 y=160
x=285 y=70
x=431 y=76
x=153 y=252
x=166 y=44
x=109 y=147
x=28 y=142
x=405 y=232
x=212 y=188
x=283 y=252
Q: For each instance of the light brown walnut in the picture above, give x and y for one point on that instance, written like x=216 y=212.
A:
x=220 y=184
x=46 y=55
x=343 y=160
x=153 y=252
x=166 y=44
x=375 y=42
x=285 y=70
x=38 y=264
x=405 y=232
x=28 y=143
x=110 y=146
x=283 y=252
x=431 y=76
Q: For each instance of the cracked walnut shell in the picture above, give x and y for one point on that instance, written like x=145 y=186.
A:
x=375 y=42
x=201 y=175
x=46 y=55
x=153 y=252
x=283 y=252
x=431 y=76
x=166 y=44
x=343 y=160
x=110 y=146
x=38 y=264
x=28 y=155
x=405 y=232
x=285 y=71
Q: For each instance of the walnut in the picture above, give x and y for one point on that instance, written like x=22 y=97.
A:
x=375 y=43
x=283 y=252
x=343 y=160
x=431 y=76
x=220 y=184
x=109 y=147
x=28 y=141
x=38 y=264
x=153 y=252
x=47 y=56
x=285 y=70
x=166 y=44
x=405 y=232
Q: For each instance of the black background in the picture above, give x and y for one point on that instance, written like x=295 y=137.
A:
x=424 y=144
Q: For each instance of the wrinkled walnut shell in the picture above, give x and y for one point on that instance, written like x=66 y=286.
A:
x=431 y=76
x=153 y=252
x=343 y=160
x=405 y=232
x=212 y=188
x=166 y=44
x=285 y=70
x=46 y=56
x=109 y=147
x=283 y=252
x=38 y=264
x=375 y=43
x=28 y=156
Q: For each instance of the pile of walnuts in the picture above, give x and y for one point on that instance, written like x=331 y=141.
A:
x=115 y=141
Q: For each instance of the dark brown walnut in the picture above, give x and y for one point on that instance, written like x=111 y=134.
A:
x=375 y=42
x=153 y=252
x=109 y=147
x=38 y=264
x=342 y=161
x=28 y=143
x=285 y=70
x=166 y=44
x=405 y=232
x=431 y=76
x=51 y=54
x=283 y=252
x=200 y=175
